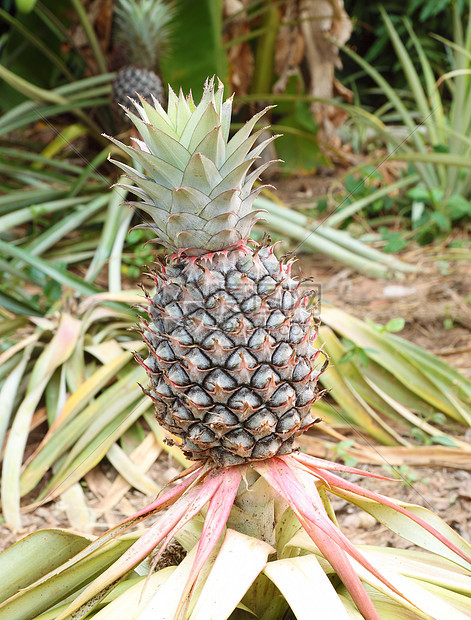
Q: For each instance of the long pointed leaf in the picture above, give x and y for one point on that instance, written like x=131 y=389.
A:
x=306 y=587
x=215 y=521
x=239 y=561
x=58 y=350
x=321 y=530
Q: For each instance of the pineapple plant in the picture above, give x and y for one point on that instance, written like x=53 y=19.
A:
x=233 y=371
x=232 y=365
x=142 y=29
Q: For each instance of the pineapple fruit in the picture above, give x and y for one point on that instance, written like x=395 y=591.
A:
x=142 y=30
x=232 y=364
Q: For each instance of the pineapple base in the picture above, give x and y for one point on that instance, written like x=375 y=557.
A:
x=232 y=364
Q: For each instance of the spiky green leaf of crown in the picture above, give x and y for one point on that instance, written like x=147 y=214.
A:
x=143 y=28
x=196 y=187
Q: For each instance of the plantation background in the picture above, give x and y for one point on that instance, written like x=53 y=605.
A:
x=373 y=195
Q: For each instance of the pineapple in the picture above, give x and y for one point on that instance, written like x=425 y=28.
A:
x=142 y=29
x=231 y=361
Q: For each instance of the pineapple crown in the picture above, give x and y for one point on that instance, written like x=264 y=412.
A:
x=196 y=186
x=143 y=29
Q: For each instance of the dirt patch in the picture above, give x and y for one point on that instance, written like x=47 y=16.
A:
x=434 y=302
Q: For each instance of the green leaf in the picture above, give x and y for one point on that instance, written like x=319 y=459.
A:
x=18 y=307
x=64 y=277
x=416 y=213
x=340 y=215
x=395 y=240
x=348 y=356
x=348 y=251
x=419 y=435
x=77 y=465
x=58 y=584
x=438 y=418
x=53 y=356
x=412 y=531
x=458 y=207
x=41 y=552
x=442 y=221
x=395 y=325
x=444 y=440
x=25 y=6
x=298 y=147
x=412 y=366
x=52 y=290
x=419 y=193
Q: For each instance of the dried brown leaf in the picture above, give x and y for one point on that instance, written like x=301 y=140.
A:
x=290 y=46
x=240 y=56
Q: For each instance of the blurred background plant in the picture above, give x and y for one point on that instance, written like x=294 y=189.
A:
x=371 y=40
x=422 y=120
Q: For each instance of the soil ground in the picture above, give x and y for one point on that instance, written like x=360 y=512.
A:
x=436 y=305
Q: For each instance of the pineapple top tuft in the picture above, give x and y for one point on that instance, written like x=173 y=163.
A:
x=143 y=29
x=196 y=184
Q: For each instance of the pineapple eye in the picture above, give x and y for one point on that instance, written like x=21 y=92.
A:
x=220 y=417
x=239 y=440
x=245 y=263
x=164 y=351
x=205 y=318
x=236 y=360
x=266 y=447
x=201 y=435
x=167 y=294
x=301 y=315
x=162 y=389
x=178 y=375
x=219 y=379
x=180 y=412
x=182 y=336
x=263 y=377
x=262 y=422
x=173 y=310
x=198 y=397
x=276 y=319
x=197 y=358
x=266 y=286
x=283 y=396
x=252 y=304
x=296 y=333
x=244 y=399
x=288 y=422
x=233 y=323
x=301 y=370
x=288 y=301
x=305 y=397
x=220 y=298
x=258 y=339
x=282 y=354
x=270 y=262
x=217 y=339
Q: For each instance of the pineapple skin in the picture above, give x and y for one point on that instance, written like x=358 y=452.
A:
x=232 y=363
x=131 y=80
